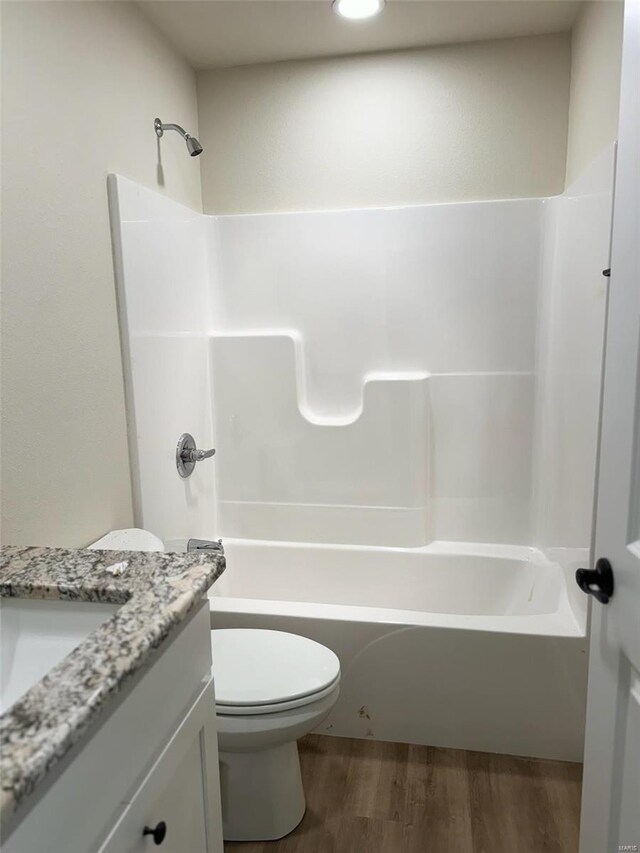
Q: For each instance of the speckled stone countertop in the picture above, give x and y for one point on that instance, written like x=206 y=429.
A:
x=156 y=592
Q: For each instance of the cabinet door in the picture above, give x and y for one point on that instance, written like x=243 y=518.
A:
x=181 y=791
x=181 y=808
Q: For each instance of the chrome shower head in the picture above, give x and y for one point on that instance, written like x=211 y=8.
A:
x=193 y=146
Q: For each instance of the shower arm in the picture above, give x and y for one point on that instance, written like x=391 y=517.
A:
x=160 y=129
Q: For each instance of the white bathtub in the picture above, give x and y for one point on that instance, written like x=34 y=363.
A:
x=468 y=646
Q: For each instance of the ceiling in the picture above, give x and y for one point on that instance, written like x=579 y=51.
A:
x=223 y=33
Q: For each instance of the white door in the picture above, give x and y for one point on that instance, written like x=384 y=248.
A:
x=611 y=790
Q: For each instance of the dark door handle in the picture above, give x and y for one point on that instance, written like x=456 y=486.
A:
x=157 y=833
x=597 y=582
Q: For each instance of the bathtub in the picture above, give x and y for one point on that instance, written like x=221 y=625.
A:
x=479 y=647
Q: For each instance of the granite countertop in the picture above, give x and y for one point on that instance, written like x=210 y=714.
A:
x=156 y=592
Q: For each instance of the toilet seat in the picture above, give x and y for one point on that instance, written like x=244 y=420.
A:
x=260 y=671
x=275 y=707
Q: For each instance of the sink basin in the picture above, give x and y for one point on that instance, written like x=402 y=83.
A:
x=35 y=635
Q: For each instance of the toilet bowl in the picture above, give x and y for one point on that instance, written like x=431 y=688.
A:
x=271 y=689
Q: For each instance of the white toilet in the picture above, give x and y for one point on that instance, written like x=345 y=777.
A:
x=131 y=539
x=272 y=688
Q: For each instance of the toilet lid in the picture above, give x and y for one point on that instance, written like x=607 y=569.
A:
x=130 y=539
x=258 y=667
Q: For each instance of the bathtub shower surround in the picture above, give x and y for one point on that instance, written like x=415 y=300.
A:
x=378 y=384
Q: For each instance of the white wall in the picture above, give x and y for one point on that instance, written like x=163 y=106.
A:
x=82 y=83
x=467 y=121
x=463 y=122
x=596 y=51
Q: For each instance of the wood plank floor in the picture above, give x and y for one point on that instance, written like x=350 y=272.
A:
x=370 y=797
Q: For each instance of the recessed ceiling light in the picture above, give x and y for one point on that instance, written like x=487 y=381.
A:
x=357 y=10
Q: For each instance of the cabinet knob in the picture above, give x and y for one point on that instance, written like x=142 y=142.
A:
x=158 y=833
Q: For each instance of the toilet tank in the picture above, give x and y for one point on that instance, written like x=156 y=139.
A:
x=131 y=539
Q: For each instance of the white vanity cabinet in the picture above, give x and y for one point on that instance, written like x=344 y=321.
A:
x=170 y=807
x=150 y=760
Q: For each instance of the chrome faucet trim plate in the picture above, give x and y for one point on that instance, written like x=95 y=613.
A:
x=187 y=454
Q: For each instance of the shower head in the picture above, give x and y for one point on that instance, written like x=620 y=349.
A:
x=193 y=146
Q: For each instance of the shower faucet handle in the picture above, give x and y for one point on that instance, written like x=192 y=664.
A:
x=187 y=454
x=197 y=455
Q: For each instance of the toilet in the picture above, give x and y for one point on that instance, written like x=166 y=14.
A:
x=131 y=539
x=272 y=688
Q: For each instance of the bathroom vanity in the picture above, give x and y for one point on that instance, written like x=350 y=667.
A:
x=113 y=745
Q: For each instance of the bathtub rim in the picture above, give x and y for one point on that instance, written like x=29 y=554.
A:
x=563 y=622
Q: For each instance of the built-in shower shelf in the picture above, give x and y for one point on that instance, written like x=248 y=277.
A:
x=326 y=416
x=282 y=467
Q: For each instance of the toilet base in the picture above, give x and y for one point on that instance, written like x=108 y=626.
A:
x=262 y=793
